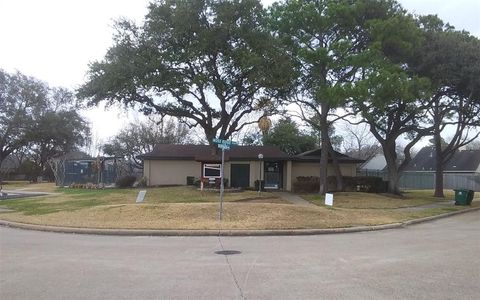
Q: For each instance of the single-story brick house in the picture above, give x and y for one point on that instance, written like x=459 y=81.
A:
x=171 y=164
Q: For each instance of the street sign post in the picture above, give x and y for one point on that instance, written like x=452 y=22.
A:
x=224 y=145
x=224 y=142
x=220 y=213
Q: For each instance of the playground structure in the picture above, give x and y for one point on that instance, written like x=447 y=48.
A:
x=99 y=171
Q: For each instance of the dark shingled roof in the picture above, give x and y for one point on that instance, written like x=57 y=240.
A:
x=207 y=153
x=462 y=161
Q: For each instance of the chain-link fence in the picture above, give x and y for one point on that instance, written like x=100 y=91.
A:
x=426 y=180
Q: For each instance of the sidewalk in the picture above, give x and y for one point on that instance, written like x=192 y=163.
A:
x=442 y=204
x=294 y=199
x=297 y=200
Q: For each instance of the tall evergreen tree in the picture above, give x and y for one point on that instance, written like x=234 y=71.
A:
x=450 y=59
x=289 y=138
x=327 y=40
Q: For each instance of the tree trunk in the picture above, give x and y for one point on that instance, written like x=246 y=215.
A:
x=324 y=149
x=393 y=178
x=214 y=151
x=393 y=174
x=438 y=166
x=439 y=181
x=210 y=136
x=336 y=168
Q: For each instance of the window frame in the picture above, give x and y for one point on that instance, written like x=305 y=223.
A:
x=212 y=167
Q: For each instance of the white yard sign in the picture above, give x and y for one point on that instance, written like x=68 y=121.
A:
x=141 y=196
x=329 y=199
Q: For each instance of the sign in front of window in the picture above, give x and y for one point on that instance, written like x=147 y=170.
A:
x=211 y=170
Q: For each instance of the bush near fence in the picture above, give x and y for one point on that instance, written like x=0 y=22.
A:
x=306 y=184
x=210 y=183
x=125 y=181
x=367 y=184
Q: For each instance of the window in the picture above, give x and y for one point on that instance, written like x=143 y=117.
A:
x=211 y=170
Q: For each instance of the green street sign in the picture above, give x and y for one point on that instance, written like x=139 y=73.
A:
x=224 y=142
x=224 y=146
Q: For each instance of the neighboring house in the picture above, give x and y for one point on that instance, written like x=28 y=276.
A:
x=376 y=163
x=375 y=166
x=172 y=164
x=464 y=162
x=462 y=171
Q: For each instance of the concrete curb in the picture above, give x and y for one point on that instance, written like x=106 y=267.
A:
x=273 y=232
x=453 y=213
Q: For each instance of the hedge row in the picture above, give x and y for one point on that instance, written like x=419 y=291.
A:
x=368 y=184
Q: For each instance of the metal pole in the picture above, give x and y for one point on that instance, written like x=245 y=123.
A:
x=260 y=177
x=221 y=185
x=260 y=157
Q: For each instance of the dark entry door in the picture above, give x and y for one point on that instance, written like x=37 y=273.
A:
x=240 y=175
x=273 y=175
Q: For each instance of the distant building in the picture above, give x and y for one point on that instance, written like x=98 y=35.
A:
x=462 y=171
x=464 y=161
x=376 y=163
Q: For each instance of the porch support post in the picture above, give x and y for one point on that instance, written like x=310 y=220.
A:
x=288 y=185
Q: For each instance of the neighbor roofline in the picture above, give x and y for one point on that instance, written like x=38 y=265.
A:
x=190 y=158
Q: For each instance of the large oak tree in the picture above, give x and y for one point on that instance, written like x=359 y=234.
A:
x=38 y=120
x=208 y=62
x=20 y=97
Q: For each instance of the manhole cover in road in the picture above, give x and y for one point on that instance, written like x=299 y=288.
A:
x=228 y=252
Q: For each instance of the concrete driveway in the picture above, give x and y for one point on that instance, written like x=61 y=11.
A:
x=436 y=260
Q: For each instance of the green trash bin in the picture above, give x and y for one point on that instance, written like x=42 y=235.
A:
x=471 y=193
x=461 y=197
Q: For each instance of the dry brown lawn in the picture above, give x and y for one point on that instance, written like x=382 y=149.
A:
x=188 y=208
x=380 y=201
x=205 y=216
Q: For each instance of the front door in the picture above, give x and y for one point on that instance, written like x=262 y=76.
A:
x=240 y=175
x=273 y=175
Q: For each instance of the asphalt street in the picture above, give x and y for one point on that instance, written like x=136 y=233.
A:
x=435 y=260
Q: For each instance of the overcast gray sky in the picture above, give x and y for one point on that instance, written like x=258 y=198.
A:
x=54 y=40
